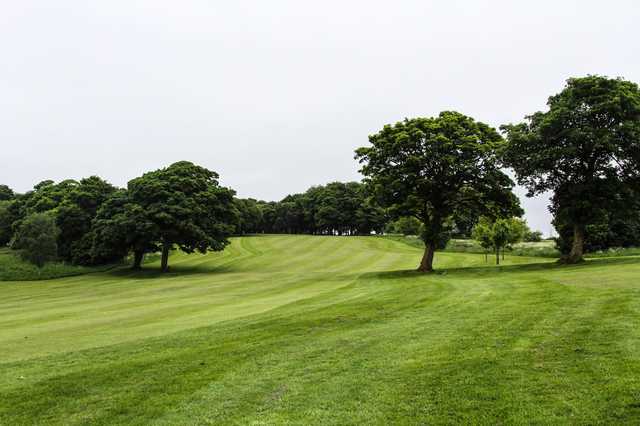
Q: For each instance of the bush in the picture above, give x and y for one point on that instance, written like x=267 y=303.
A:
x=532 y=236
x=6 y=219
x=405 y=225
x=36 y=239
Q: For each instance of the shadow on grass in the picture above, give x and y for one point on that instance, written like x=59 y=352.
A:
x=491 y=270
x=153 y=271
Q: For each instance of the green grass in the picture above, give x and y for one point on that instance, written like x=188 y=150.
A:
x=325 y=330
x=13 y=268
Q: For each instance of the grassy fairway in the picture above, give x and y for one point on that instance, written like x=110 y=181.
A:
x=325 y=330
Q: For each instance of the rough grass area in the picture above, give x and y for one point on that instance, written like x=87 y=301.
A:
x=544 y=248
x=13 y=268
x=325 y=330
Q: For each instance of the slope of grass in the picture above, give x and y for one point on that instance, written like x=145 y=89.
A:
x=13 y=268
x=325 y=330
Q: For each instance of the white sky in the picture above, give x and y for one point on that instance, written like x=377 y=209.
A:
x=276 y=95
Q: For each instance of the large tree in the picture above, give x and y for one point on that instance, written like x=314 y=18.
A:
x=430 y=168
x=187 y=206
x=585 y=148
x=121 y=227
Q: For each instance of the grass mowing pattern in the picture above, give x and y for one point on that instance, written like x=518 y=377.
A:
x=325 y=330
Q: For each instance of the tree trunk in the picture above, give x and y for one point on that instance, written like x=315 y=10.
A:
x=497 y=255
x=577 y=248
x=502 y=253
x=426 y=265
x=164 y=264
x=138 y=255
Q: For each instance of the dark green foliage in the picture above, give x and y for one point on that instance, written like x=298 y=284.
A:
x=432 y=168
x=616 y=228
x=121 y=226
x=186 y=206
x=36 y=238
x=6 y=222
x=75 y=216
x=585 y=148
x=72 y=204
x=532 y=236
x=406 y=225
x=250 y=218
x=333 y=209
x=6 y=193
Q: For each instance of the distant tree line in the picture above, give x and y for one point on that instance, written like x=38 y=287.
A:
x=334 y=209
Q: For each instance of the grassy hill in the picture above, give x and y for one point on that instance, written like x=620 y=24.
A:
x=325 y=330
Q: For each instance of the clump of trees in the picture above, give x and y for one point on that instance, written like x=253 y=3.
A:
x=334 y=209
x=72 y=205
x=92 y=222
x=499 y=234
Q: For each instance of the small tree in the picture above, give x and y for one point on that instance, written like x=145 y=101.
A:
x=501 y=234
x=482 y=232
x=36 y=239
x=498 y=235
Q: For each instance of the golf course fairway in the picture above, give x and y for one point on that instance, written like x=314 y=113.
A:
x=325 y=330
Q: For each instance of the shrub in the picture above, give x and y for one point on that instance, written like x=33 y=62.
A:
x=36 y=239
x=407 y=225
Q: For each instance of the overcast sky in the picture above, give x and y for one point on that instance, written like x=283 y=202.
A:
x=275 y=95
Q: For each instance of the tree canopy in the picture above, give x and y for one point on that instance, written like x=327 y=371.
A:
x=337 y=208
x=431 y=168
x=6 y=193
x=585 y=148
x=187 y=207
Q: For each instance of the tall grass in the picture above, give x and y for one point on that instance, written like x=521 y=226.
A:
x=540 y=249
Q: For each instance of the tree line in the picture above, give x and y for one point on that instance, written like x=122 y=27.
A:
x=92 y=222
x=334 y=209
x=445 y=173
x=585 y=149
